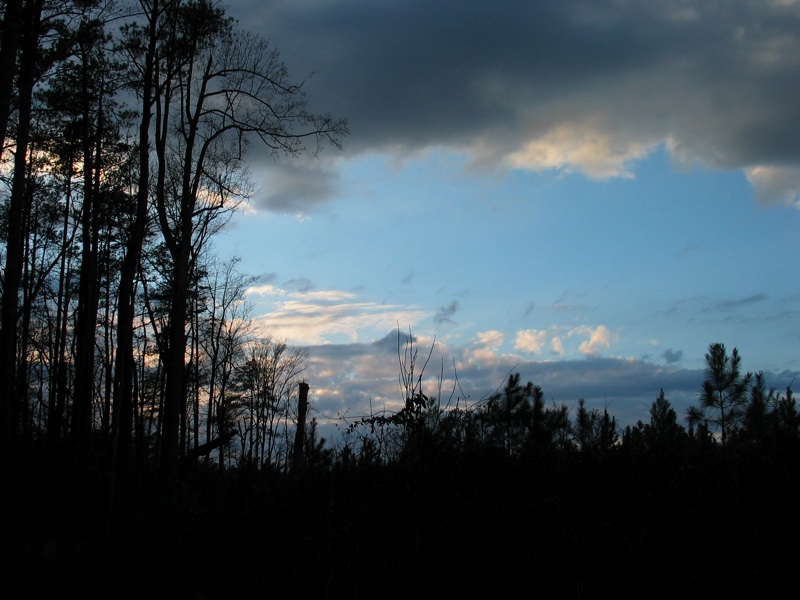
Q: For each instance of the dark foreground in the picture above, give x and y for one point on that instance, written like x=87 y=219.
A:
x=466 y=528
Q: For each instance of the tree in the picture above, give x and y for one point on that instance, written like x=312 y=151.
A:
x=9 y=46
x=785 y=420
x=517 y=420
x=44 y=38
x=17 y=213
x=261 y=407
x=298 y=450
x=759 y=403
x=724 y=389
x=594 y=431
x=228 y=88
x=223 y=332
x=508 y=414
x=141 y=46
x=664 y=433
x=83 y=93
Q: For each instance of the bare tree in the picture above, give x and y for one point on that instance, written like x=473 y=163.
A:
x=223 y=330
x=262 y=410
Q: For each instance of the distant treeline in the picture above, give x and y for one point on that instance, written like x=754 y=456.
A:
x=735 y=410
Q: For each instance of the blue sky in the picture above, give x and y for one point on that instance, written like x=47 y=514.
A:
x=587 y=193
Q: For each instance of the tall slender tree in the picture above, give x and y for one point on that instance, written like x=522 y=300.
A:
x=140 y=45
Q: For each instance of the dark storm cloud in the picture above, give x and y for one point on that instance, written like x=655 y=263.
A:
x=717 y=81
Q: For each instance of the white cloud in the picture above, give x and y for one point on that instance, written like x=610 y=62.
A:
x=323 y=317
x=775 y=185
x=265 y=290
x=324 y=295
x=479 y=356
x=491 y=339
x=591 y=146
x=598 y=338
x=530 y=340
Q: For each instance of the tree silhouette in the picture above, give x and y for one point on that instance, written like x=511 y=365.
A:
x=724 y=390
x=594 y=432
x=508 y=414
x=664 y=434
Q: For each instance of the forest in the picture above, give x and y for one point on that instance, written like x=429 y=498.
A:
x=155 y=445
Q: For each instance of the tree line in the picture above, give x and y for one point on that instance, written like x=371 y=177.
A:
x=735 y=411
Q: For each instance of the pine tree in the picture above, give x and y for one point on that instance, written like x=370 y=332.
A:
x=724 y=389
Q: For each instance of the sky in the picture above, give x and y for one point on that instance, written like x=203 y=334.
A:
x=587 y=193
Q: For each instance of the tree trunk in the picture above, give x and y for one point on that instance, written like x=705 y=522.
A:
x=175 y=368
x=9 y=45
x=88 y=290
x=300 y=432
x=124 y=366
x=18 y=208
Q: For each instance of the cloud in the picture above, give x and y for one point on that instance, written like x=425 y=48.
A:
x=688 y=249
x=531 y=341
x=573 y=86
x=316 y=317
x=587 y=147
x=265 y=290
x=266 y=278
x=293 y=185
x=776 y=185
x=672 y=356
x=735 y=303
x=598 y=338
x=305 y=286
x=529 y=309
x=446 y=312
x=491 y=339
